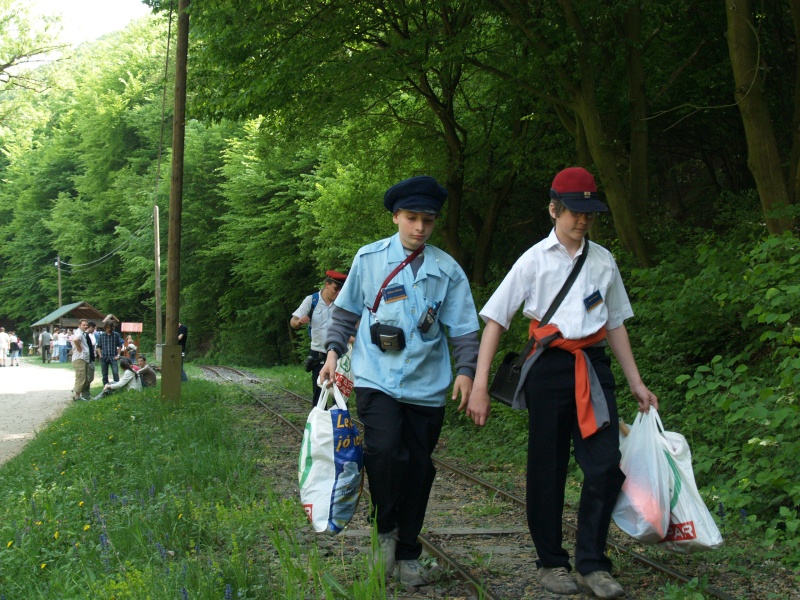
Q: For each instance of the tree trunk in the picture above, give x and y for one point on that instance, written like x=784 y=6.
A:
x=763 y=157
x=794 y=161
x=637 y=163
x=483 y=245
x=625 y=221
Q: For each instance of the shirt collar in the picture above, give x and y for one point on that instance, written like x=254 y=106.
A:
x=397 y=254
x=552 y=243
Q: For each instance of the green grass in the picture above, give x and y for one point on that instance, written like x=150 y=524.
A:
x=132 y=497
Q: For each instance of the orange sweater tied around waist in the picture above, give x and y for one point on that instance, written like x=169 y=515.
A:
x=587 y=419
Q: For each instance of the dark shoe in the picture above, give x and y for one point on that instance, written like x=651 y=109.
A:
x=557 y=580
x=411 y=573
x=383 y=553
x=602 y=584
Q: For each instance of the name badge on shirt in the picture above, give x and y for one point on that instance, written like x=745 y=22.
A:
x=593 y=300
x=393 y=293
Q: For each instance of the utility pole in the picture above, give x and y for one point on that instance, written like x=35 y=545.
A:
x=157 y=252
x=58 y=266
x=172 y=363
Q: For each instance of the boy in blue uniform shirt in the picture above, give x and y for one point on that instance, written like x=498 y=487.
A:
x=410 y=299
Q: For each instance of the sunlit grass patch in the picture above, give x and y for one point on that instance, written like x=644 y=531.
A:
x=134 y=497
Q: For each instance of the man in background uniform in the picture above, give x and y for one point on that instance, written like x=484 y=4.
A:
x=316 y=315
x=44 y=345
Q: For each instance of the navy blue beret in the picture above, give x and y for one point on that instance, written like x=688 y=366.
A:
x=417 y=194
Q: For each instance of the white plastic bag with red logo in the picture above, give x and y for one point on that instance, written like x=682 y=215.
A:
x=344 y=373
x=691 y=526
x=643 y=506
x=330 y=468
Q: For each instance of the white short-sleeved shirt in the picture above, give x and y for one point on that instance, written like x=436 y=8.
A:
x=84 y=351
x=320 y=320
x=537 y=276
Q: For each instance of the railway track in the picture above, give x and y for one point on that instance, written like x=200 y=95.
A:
x=475 y=536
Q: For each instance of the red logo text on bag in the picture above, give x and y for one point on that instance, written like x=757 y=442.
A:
x=681 y=532
x=309 y=508
x=344 y=384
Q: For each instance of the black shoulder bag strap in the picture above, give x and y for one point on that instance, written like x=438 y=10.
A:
x=555 y=304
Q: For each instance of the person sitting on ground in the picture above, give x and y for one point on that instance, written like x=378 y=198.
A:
x=146 y=372
x=129 y=380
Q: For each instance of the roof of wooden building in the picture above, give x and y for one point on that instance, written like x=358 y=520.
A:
x=76 y=310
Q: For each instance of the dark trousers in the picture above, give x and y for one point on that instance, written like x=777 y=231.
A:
x=399 y=440
x=104 y=362
x=552 y=424
x=314 y=379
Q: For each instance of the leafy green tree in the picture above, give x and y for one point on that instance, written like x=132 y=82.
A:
x=23 y=44
x=79 y=174
x=402 y=68
x=765 y=158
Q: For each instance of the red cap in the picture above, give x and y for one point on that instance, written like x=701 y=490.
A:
x=576 y=188
x=336 y=276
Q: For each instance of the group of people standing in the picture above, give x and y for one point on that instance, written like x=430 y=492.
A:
x=407 y=302
x=89 y=346
x=56 y=345
x=10 y=348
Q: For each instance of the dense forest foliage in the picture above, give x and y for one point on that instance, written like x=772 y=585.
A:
x=301 y=114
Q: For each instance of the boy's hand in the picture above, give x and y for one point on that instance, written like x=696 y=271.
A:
x=462 y=385
x=479 y=406
x=328 y=373
x=644 y=397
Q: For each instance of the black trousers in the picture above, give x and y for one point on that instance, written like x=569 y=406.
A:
x=321 y=356
x=399 y=440
x=552 y=424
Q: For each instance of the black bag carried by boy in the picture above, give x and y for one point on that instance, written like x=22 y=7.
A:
x=507 y=379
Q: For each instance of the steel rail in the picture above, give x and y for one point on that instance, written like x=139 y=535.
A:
x=640 y=558
x=464 y=576
x=513 y=498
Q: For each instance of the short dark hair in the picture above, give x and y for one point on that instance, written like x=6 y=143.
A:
x=558 y=207
x=142 y=356
x=92 y=324
x=338 y=284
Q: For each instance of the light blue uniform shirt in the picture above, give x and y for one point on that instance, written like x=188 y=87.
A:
x=421 y=372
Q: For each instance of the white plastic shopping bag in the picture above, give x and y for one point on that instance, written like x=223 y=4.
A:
x=643 y=507
x=691 y=526
x=330 y=469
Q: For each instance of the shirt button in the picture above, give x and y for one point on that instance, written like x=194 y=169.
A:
x=401 y=385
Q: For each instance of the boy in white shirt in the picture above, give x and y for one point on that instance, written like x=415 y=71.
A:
x=556 y=389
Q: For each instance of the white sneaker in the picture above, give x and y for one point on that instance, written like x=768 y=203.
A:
x=412 y=573
x=383 y=553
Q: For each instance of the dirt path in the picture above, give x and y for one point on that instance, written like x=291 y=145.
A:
x=30 y=396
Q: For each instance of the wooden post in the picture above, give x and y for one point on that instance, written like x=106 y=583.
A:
x=171 y=365
x=58 y=265
x=157 y=232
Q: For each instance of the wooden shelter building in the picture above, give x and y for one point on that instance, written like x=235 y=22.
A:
x=66 y=317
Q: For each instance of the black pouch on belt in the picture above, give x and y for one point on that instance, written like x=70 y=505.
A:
x=387 y=337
